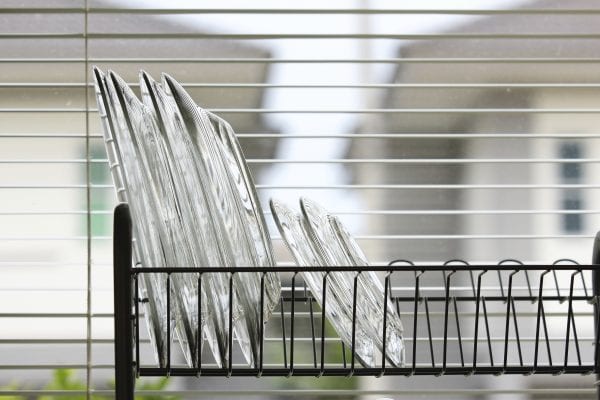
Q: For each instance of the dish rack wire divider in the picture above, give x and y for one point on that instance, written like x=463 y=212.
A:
x=541 y=292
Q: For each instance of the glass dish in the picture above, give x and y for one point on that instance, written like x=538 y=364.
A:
x=338 y=248
x=339 y=310
x=369 y=282
x=252 y=215
x=125 y=175
x=157 y=175
x=209 y=183
x=204 y=244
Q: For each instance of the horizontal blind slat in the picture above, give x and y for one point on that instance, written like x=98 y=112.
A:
x=357 y=237
x=399 y=136
x=280 y=36
x=433 y=60
x=41 y=85
x=345 y=212
x=302 y=393
x=295 y=11
x=427 y=161
x=350 y=186
x=341 y=111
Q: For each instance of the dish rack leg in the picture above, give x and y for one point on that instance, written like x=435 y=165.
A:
x=596 y=286
x=123 y=297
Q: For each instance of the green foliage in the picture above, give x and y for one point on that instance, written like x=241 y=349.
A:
x=324 y=383
x=10 y=386
x=65 y=379
x=158 y=384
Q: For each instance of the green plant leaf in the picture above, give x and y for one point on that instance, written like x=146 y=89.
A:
x=11 y=386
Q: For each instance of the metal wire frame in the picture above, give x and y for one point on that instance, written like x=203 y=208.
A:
x=534 y=291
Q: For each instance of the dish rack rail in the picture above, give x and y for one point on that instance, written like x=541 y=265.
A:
x=459 y=319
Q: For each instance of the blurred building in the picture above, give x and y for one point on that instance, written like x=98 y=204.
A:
x=501 y=75
x=462 y=87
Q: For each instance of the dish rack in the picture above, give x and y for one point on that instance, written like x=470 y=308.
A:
x=508 y=318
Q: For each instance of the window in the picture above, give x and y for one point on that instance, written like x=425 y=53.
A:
x=571 y=172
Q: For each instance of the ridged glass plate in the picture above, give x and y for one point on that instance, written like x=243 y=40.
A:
x=126 y=176
x=251 y=214
x=339 y=310
x=158 y=174
x=199 y=229
x=338 y=248
x=211 y=181
x=374 y=290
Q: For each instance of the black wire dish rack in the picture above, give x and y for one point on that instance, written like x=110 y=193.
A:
x=459 y=319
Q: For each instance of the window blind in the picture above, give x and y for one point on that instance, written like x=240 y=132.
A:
x=434 y=132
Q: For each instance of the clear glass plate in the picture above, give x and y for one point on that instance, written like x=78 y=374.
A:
x=157 y=174
x=200 y=229
x=209 y=182
x=338 y=309
x=338 y=248
x=252 y=215
x=374 y=290
x=125 y=175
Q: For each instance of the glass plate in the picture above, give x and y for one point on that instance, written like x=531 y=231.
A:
x=252 y=215
x=199 y=229
x=339 y=310
x=338 y=248
x=212 y=183
x=125 y=175
x=157 y=175
x=369 y=282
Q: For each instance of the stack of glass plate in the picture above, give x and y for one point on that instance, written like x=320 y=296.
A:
x=193 y=203
x=319 y=239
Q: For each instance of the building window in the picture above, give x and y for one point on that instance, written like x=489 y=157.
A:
x=571 y=171
x=571 y=198
x=572 y=222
